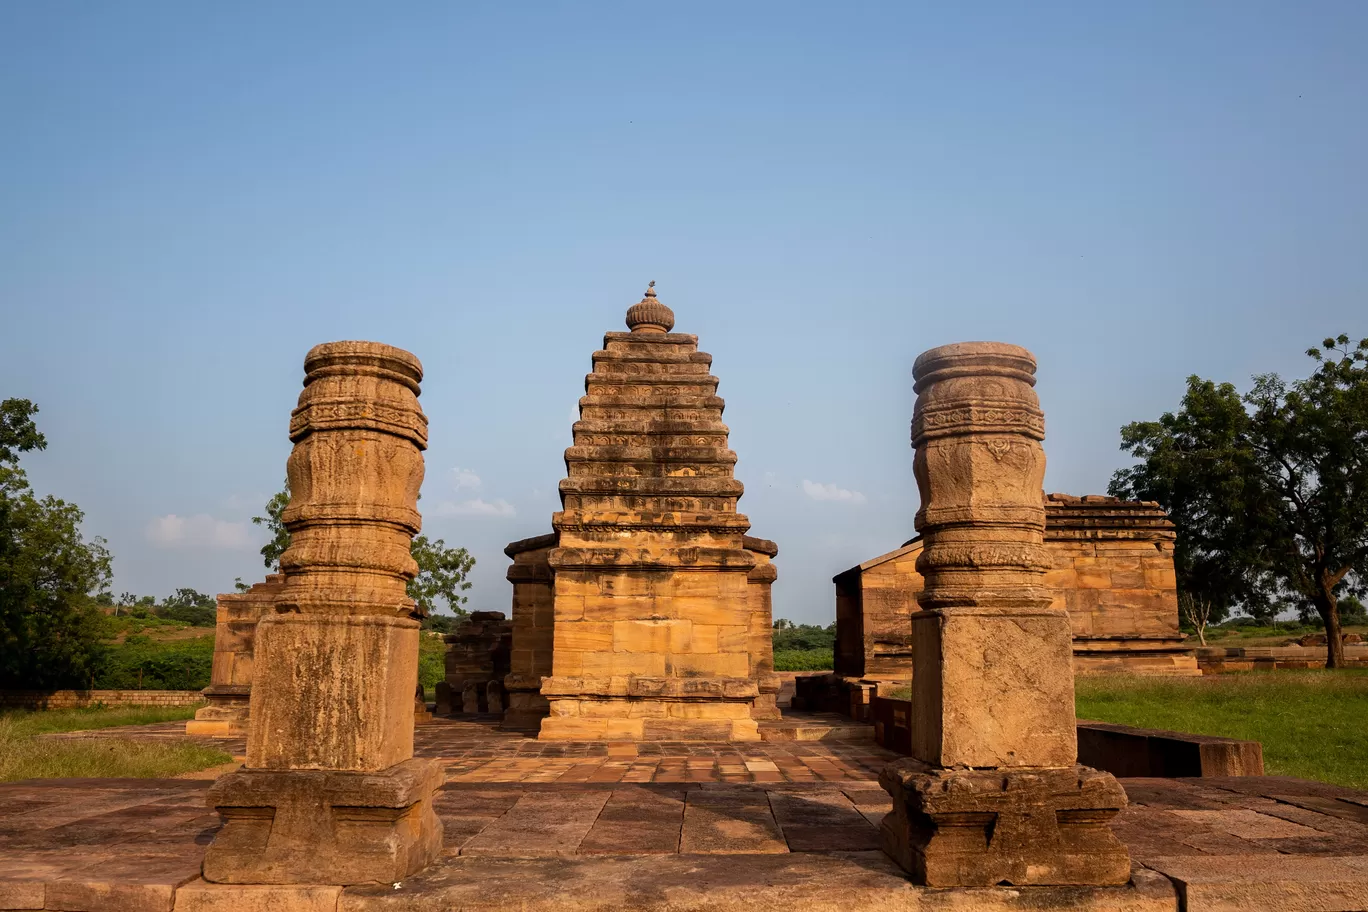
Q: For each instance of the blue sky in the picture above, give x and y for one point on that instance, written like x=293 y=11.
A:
x=193 y=195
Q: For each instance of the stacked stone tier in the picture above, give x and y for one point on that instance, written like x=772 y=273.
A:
x=658 y=592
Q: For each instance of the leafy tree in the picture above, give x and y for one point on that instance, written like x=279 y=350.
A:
x=791 y=636
x=442 y=571
x=50 y=625
x=1269 y=490
x=189 y=607
x=275 y=524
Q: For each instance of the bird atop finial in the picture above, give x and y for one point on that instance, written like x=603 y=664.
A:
x=648 y=315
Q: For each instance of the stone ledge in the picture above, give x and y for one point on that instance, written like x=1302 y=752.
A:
x=839 y=882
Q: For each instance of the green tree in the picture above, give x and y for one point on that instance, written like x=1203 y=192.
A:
x=50 y=625
x=1269 y=491
x=442 y=571
x=275 y=524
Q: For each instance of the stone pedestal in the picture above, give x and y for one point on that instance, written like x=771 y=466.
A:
x=993 y=792
x=330 y=791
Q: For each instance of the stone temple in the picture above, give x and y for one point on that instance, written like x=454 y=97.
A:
x=645 y=613
x=1111 y=569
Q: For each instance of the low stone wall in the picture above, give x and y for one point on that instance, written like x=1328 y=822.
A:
x=1220 y=659
x=1121 y=750
x=1133 y=752
x=80 y=699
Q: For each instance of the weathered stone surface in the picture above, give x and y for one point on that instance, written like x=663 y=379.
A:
x=207 y=897
x=812 y=882
x=964 y=827
x=330 y=792
x=993 y=794
x=1234 y=883
x=336 y=827
x=649 y=599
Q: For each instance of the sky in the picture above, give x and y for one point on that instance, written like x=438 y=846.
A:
x=193 y=195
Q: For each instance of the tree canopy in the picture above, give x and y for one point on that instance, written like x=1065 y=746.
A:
x=1269 y=490
x=50 y=626
x=442 y=571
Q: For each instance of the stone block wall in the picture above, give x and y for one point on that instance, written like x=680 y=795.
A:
x=82 y=699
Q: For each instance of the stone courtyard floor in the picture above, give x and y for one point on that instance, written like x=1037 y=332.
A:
x=593 y=826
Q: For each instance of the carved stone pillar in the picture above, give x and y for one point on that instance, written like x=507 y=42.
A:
x=330 y=791
x=992 y=792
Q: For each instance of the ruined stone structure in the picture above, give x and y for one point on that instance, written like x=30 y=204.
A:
x=1111 y=569
x=992 y=792
x=645 y=614
x=330 y=789
x=477 y=656
x=230 y=678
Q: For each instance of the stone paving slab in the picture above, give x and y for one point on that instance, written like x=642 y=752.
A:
x=1286 y=883
x=85 y=844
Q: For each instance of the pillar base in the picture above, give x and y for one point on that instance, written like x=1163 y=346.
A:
x=321 y=826
x=982 y=827
x=227 y=714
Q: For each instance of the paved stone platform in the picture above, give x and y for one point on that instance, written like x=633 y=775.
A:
x=570 y=826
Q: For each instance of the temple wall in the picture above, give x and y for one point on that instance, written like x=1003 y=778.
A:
x=678 y=630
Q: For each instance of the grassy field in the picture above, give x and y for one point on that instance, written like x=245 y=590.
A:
x=1311 y=723
x=24 y=757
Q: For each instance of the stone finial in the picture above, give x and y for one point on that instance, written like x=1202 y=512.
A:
x=648 y=315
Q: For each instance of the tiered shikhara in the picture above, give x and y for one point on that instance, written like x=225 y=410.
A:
x=645 y=615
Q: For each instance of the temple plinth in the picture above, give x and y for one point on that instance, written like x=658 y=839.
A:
x=992 y=792
x=330 y=791
x=651 y=597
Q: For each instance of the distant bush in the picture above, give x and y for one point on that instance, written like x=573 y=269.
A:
x=802 y=659
x=431 y=663
x=788 y=635
x=142 y=664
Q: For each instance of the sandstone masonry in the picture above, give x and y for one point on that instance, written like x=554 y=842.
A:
x=645 y=615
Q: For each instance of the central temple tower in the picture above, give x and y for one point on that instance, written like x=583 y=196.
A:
x=659 y=602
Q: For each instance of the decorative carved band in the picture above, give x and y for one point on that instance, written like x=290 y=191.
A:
x=335 y=414
x=977 y=418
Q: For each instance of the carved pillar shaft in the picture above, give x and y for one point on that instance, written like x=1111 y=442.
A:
x=992 y=792
x=330 y=789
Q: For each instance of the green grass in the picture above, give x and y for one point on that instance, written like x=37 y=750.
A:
x=802 y=660
x=22 y=756
x=1311 y=723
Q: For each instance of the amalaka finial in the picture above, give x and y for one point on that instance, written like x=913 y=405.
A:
x=648 y=315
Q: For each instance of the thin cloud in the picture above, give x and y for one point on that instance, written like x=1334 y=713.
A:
x=475 y=507
x=200 y=531
x=830 y=492
x=466 y=479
